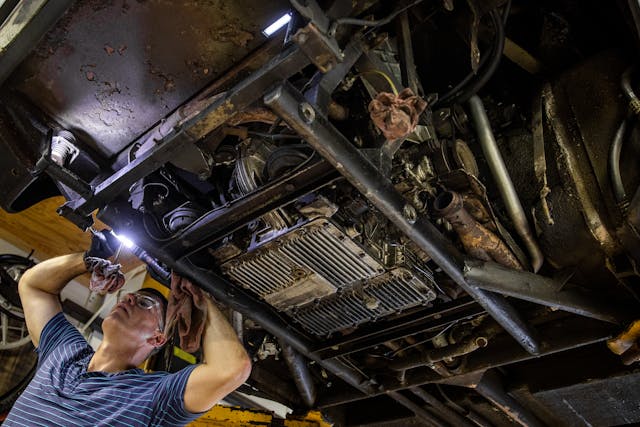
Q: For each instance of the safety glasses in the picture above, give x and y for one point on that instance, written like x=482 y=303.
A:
x=146 y=303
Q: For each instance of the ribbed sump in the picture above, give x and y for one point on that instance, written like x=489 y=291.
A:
x=318 y=252
x=387 y=294
x=326 y=281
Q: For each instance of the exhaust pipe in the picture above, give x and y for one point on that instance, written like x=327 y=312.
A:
x=503 y=181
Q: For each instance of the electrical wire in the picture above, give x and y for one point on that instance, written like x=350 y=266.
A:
x=274 y=136
x=384 y=75
x=505 y=13
x=494 y=61
x=468 y=87
x=369 y=23
x=149 y=233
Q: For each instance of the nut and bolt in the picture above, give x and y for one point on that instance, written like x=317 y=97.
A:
x=307 y=112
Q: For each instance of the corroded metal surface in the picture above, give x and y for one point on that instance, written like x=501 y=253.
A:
x=477 y=240
x=580 y=177
x=111 y=70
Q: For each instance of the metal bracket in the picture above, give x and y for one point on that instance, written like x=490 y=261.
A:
x=314 y=39
x=321 y=49
x=69 y=179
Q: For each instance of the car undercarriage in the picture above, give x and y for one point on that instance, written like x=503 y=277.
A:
x=419 y=213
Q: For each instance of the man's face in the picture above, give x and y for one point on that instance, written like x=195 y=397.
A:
x=136 y=317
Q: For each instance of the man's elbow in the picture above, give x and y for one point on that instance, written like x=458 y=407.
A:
x=241 y=372
x=25 y=282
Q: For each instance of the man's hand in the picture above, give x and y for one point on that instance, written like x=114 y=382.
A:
x=106 y=278
x=103 y=244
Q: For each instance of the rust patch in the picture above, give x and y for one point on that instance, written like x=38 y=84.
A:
x=213 y=120
x=109 y=49
x=168 y=82
x=232 y=34
x=478 y=241
x=261 y=114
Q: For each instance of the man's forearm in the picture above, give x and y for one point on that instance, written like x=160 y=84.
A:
x=52 y=275
x=40 y=288
x=226 y=365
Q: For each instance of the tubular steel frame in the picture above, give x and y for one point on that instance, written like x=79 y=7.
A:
x=209 y=112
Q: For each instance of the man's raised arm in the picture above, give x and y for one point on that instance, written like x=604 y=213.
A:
x=226 y=365
x=40 y=287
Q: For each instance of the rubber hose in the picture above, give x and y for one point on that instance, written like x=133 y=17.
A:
x=459 y=93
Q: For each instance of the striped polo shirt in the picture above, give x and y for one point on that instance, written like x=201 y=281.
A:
x=63 y=393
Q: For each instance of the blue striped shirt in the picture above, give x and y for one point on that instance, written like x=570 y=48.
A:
x=63 y=393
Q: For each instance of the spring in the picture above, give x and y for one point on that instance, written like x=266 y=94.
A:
x=62 y=147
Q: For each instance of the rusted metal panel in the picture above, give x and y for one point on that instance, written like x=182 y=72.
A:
x=478 y=241
x=110 y=70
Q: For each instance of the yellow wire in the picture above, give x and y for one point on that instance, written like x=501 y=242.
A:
x=386 y=77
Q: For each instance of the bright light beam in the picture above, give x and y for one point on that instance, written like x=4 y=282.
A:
x=279 y=23
x=128 y=243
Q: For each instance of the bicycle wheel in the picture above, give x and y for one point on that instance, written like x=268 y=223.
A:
x=18 y=359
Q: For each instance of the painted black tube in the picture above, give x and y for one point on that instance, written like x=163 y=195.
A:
x=289 y=104
x=496 y=56
x=300 y=373
x=443 y=411
x=416 y=409
x=625 y=83
x=544 y=291
x=492 y=389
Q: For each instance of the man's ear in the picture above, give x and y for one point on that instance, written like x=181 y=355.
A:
x=157 y=339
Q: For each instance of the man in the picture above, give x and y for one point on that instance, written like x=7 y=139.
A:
x=75 y=386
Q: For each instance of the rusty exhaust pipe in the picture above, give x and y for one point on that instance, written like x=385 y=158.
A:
x=478 y=241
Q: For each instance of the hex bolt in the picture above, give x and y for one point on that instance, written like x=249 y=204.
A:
x=409 y=213
x=307 y=112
